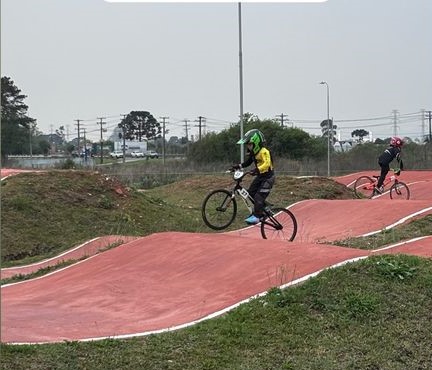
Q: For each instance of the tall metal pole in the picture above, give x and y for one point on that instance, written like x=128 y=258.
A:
x=30 y=138
x=163 y=138
x=430 y=127
x=329 y=126
x=79 y=139
x=241 y=82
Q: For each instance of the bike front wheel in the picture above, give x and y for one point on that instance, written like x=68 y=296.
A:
x=279 y=224
x=399 y=190
x=219 y=209
x=364 y=187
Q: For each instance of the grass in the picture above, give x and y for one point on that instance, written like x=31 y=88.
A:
x=372 y=314
x=44 y=214
x=414 y=229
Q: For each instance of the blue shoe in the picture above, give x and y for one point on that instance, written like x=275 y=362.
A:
x=252 y=220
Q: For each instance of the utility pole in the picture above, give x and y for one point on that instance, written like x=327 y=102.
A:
x=201 y=121
x=430 y=128
x=124 y=137
x=186 y=129
x=423 y=124
x=30 y=142
x=101 y=123
x=85 y=145
x=281 y=118
x=163 y=138
x=52 y=140
x=187 y=135
x=78 y=128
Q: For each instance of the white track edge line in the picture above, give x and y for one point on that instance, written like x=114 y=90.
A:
x=49 y=274
x=402 y=220
x=52 y=258
x=401 y=243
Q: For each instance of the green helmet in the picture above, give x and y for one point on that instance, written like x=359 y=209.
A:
x=253 y=136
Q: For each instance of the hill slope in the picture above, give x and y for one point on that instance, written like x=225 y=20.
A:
x=45 y=213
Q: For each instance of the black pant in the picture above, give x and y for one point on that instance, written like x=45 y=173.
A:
x=259 y=190
x=385 y=168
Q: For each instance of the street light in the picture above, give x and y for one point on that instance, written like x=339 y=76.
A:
x=241 y=81
x=329 y=126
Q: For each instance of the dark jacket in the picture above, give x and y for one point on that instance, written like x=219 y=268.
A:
x=389 y=154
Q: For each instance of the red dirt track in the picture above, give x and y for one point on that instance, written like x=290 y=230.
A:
x=170 y=280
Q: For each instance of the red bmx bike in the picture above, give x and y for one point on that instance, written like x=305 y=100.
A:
x=365 y=187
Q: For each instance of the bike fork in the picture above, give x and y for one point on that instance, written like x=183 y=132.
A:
x=270 y=220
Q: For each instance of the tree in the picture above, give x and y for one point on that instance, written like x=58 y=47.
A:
x=360 y=133
x=328 y=127
x=284 y=142
x=138 y=125
x=17 y=127
x=43 y=147
x=61 y=133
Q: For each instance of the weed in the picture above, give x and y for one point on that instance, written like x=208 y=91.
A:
x=395 y=267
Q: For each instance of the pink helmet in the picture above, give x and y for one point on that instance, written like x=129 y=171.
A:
x=396 y=141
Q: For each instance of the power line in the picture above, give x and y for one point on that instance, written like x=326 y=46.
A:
x=111 y=122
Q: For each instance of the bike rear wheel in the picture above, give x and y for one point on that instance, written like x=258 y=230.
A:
x=364 y=187
x=279 y=224
x=219 y=209
x=399 y=190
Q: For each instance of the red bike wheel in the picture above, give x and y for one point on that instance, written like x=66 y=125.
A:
x=399 y=190
x=364 y=187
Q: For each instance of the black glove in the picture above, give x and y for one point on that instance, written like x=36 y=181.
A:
x=235 y=167
x=397 y=173
x=254 y=172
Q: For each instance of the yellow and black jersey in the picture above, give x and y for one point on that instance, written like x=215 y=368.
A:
x=263 y=162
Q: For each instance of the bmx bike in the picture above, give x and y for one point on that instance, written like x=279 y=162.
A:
x=365 y=186
x=219 y=210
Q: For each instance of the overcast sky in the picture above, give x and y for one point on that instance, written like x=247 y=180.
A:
x=84 y=59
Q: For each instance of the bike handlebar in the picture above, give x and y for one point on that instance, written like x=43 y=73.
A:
x=238 y=174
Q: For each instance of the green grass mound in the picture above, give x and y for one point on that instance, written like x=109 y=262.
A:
x=46 y=213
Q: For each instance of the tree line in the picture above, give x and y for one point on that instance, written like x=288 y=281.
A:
x=19 y=135
x=292 y=143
